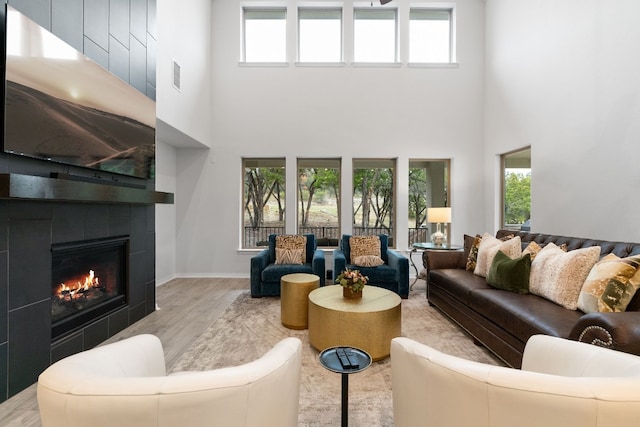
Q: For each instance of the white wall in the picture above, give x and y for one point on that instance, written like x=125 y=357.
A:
x=348 y=112
x=184 y=34
x=564 y=77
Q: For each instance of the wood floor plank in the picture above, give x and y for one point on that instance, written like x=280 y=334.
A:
x=187 y=307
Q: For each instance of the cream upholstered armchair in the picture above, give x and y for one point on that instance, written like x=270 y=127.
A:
x=561 y=383
x=124 y=384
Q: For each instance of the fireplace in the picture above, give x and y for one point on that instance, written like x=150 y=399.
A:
x=89 y=280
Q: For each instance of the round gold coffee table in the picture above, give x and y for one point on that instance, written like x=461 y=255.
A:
x=294 y=298
x=369 y=323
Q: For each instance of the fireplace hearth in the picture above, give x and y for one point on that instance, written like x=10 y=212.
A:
x=89 y=280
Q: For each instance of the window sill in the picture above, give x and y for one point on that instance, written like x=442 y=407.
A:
x=320 y=64
x=432 y=65
x=377 y=64
x=264 y=64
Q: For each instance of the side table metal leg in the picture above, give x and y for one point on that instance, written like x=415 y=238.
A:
x=413 y=264
x=345 y=400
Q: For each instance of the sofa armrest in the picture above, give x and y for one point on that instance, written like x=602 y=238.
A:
x=401 y=265
x=339 y=262
x=436 y=260
x=618 y=331
x=258 y=263
x=318 y=265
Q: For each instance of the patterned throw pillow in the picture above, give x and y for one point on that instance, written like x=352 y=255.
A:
x=288 y=256
x=368 y=261
x=488 y=248
x=610 y=285
x=292 y=242
x=558 y=276
x=532 y=249
x=364 y=245
x=472 y=259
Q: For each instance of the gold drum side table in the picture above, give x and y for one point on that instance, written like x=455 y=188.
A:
x=369 y=323
x=294 y=299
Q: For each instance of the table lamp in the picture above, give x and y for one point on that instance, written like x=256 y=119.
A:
x=439 y=216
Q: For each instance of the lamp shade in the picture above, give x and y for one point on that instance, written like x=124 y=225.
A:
x=442 y=215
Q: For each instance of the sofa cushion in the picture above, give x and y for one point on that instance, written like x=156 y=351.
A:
x=523 y=315
x=488 y=248
x=532 y=249
x=456 y=282
x=510 y=274
x=558 y=276
x=471 y=251
x=609 y=286
x=273 y=272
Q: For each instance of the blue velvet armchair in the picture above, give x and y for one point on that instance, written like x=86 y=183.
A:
x=392 y=275
x=265 y=274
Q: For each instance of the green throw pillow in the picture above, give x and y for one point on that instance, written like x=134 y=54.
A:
x=510 y=274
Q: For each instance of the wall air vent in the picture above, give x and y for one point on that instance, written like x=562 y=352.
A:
x=176 y=74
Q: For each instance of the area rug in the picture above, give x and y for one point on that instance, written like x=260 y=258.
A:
x=251 y=326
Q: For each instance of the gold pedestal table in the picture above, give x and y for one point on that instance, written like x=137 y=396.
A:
x=294 y=299
x=369 y=323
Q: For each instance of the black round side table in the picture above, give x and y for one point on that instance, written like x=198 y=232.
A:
x=345 y=361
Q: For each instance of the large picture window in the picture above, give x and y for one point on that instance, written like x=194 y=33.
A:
x=263 y=200
x=319 y=199
x=374 y=197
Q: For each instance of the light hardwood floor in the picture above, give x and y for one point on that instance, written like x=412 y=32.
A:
x=187 y=308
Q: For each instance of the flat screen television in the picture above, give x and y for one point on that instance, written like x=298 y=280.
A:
x=61 y=106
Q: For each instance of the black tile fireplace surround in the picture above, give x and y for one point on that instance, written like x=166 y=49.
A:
x=28 y=230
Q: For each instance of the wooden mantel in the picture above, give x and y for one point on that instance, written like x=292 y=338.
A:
x=27 y=187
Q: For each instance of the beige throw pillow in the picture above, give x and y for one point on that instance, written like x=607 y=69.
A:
x=364 y=245
x=292 y=242
x=558 y=276
x=368 y=261
x=610 y=285
x=489 y=247
x=288 y=256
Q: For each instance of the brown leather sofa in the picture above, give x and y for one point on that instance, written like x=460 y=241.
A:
x=503 y=321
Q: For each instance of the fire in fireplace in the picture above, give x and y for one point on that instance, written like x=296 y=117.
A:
x=89 y=280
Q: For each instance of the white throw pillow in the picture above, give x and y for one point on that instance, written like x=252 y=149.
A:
x=489 y=247
x=558 y=276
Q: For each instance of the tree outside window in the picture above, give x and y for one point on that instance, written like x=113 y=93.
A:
x=319 y=199
x=373 y=197
x=263 y=201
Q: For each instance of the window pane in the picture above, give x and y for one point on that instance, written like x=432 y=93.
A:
x=265 y=36
x=319 y=199
x=428 y=187
x=373 y=197
x=517 y=190
x=320 y=35
x=263 y=200
x=374 y=35
x=430 y=36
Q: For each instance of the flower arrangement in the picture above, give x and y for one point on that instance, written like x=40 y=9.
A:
x=352 y=279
